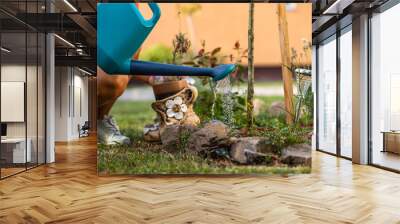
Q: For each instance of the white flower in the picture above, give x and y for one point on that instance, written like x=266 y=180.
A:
x=176 y=108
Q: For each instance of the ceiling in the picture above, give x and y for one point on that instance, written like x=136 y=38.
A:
x=330 y=15
x=74 y=22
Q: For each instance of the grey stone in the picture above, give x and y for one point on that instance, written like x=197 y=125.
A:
x=214 y=134
x=295 y=155
x=220 y=129
x=277 y=108
x=170 y=135
x=248 y=149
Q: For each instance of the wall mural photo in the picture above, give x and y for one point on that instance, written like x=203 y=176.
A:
x=204 y=88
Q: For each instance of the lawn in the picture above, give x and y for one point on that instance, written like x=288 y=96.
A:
x=149 y=158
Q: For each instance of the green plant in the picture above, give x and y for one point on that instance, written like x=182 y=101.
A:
x=181 y=46
x=279 y=133
x=206 y=59
x=280 y=137
x=303 y=110
x=211 y=58
x=157 y=53
x=176 y=55
x=204 y=103
x=308 y=109
x=236 y=58
x=183 y=140
x=149 y=158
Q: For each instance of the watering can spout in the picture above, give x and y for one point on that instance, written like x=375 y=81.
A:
x=159 y=69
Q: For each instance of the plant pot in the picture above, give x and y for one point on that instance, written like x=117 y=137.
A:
x=167 y=89
x=177 y=108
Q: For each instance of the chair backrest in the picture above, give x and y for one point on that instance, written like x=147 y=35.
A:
x=86 y=125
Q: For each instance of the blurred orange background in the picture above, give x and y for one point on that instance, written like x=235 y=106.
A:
x=222 y=24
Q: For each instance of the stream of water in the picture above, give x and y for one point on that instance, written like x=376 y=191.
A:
x=224 y=87
x=212 y=87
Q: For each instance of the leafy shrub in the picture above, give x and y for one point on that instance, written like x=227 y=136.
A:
x=308 y=102
x=281 y=137
x=181 y=45
x=303 y=111
x=204 y=102
x=157 y=53
x=278 y=133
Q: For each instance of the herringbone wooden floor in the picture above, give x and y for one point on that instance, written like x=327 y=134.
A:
x=70 y=191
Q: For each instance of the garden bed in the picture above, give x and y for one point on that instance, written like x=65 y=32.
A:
x=151 y=158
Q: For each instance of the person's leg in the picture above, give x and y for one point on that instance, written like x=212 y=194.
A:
x=109 y=89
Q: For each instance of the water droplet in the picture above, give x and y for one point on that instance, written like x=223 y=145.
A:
x=224 y=87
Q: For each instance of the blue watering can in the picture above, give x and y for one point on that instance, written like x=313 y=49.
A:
x=121 y=30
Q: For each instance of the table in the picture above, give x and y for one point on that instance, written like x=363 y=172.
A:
x=391 y=141
x=13 y=150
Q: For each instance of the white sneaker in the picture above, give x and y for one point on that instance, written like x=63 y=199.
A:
x=109 y=134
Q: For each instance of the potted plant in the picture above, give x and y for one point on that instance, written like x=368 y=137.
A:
x=174 y=96
x=170 y=85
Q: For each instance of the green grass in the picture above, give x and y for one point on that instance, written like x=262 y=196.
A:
x=149 y=158
x=133 y=116
x=126 y=160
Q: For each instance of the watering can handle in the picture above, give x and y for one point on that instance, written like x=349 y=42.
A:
x=156 y=15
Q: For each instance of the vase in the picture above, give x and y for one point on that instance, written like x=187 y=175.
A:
x=174 y=106
x=166 y=89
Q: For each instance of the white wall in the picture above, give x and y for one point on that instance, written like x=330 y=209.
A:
x=80 y=110
x=16 y=73
x=16 y=129
x=71 y=102
x=61 y=103
x=33 y=126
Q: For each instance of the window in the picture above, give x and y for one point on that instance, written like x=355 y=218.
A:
x=346 y=95
x=385 y=89
x=327 y=95
x=22 y=88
